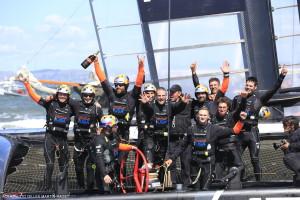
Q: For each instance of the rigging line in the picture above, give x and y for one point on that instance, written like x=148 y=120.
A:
x=54 y=34
x=293 y=45
x=169 y=73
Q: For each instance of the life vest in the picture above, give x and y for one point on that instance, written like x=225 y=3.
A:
x=58 y=118
x=160 y=117
x=119 y=107
x=85 y=120
x=200 y=146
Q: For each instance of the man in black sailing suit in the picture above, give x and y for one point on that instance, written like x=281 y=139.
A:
x=58 y=117
x=249 y=136
x=291 y=146
x=156 y=116
x=88 y=113
x=179 y=126
x=104 y=153
x=228 y=156
x=203 y=137
x=122 y=102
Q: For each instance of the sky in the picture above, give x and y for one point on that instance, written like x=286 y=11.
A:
x=45 y=34
x=59 y=34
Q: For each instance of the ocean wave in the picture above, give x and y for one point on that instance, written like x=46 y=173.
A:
x=27 y=123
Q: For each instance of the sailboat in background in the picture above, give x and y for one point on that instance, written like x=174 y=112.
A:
x=12 y=88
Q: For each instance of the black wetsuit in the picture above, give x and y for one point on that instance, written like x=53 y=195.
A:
x=179 y=126
x=203 y=140
x=249 y=136
x=228 y=154
x=292 y=155
x=56 y=145
x=105 y=155
x=85 y=127
x=156 y=134
x=122 y=106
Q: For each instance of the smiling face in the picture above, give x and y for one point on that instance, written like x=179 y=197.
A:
x=150 y=94
x=214 y=87
x=88 y=98
x=201 y=96
x=62 y=97
x=250 y=87
x=202 y=116
x=120 y=88
x=161 y=96
x=174 y=96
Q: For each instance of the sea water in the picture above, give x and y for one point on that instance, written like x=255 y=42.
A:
x=20 y=112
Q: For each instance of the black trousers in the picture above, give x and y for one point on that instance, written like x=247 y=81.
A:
x=185 y=161
x=251 y=141
x=204 y=180
x=292 y=162
x=55 y=147
x=82 y=161
x=227 y=157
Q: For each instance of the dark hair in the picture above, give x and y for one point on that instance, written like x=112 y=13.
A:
x=252 y=79
x=224 y=100
x=214 y=79
x=291 y=120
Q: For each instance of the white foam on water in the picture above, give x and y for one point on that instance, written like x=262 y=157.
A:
x=26 y=123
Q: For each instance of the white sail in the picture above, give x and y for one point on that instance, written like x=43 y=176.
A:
x=24 y=72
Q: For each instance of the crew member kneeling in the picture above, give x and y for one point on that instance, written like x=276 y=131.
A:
x=105 y=153
x=291 y=146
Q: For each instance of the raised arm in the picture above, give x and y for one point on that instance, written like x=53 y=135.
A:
x=225 y=82
x=99 y=72
x=141 y=72
x=268 y=94
x=194 y=74
x=31 y=92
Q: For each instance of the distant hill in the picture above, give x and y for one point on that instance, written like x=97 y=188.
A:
x=81 y=76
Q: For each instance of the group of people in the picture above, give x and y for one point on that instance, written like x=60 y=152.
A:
x=209 y=132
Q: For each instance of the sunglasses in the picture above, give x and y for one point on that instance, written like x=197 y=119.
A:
x=88 y=95
x=119 y=84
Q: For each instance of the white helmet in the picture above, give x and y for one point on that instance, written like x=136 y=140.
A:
x=64 y=89
x=149 y=87
x=88 y=89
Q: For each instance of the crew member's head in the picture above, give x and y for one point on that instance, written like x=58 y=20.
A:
x=251 y=84
x=290 y=124
x=214 y=85
x=63 y=93
x=202 y=116
x=223 y=107
x=88 y=94
x=149 y=91
x=175 y=92
x=121 y=83
x=108 y=123
x=201 y=93
x=161 y=96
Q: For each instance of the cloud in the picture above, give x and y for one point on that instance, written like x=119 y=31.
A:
x=60 y=26
x=6 y=48
x=11 y=31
